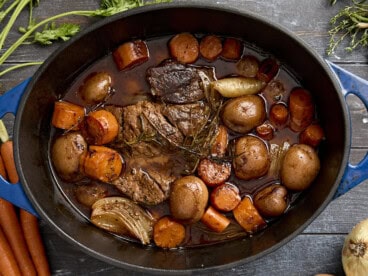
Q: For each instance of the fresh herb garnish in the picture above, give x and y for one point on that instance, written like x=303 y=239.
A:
x=350 y=22
x=51 y=31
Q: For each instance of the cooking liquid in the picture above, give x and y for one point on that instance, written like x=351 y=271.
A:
x=130 y=86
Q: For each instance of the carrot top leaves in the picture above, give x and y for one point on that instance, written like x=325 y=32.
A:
x=51 y=32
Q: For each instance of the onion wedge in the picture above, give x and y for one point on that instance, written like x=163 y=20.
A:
x=124 y=217
x=238 y=86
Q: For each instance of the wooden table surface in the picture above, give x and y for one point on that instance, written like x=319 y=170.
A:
x=318 y=248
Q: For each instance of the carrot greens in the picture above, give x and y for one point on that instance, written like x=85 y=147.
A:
x=52 y=32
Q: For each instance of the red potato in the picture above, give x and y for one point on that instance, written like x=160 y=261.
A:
x=232 y=49
x=312 y=135
x=268 y=70
x=213 y=173
x=210 y=47
x=168 y=233
x=301 y=108
x=279 y=114
x=300 y=167
x=100 y=127
x=184 y=47
x=96 y=87
x=215 y=220
x=130 y=54
x=252 y=158
x=188 y=199
x=219 y=146
x=67 y=115
x=102 y=163
x=225 y=197
x=248 y=217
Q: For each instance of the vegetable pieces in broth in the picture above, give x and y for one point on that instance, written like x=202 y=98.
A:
x=199 y=154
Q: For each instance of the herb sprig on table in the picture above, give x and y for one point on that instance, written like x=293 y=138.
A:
x=351 y=22
x=51 y=31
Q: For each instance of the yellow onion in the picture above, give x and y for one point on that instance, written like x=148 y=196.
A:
x=238 y=86
x=355 y=250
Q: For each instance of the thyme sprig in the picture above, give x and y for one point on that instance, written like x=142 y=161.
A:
x=350 y=22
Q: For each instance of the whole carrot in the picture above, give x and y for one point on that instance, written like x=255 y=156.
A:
x=34 y=242
x=9 y=219
x=6 y=150
x=14 y=234
x=2 y=168
x=8 y=264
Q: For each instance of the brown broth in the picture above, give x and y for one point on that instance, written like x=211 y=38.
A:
x=130 y=86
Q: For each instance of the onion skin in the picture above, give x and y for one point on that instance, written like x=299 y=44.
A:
x=355 y=250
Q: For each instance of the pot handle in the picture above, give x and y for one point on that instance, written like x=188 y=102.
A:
x=352 y=84
x=14 y=193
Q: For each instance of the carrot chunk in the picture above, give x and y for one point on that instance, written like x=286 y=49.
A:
x=215 y=220
x=102 y=163
x=248 y=217
x=301 y=108
x=210 y=47
x=100 y=127
x=225 y=197
x=130 y=54
x=184 y=47
x=67 y=115
x=232 y=49
x=312 y=135
x=168 y=233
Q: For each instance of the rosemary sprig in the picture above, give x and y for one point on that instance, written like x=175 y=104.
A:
x=350 y=22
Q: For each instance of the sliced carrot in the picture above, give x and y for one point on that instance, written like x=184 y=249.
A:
x=232 y=49
x=301 y=109
x=6 y=150
x=100 y=127
x=13 y=232
x=213 y=173
x=219 y=146
x=248 y=217
x=8 y=263
x=265 y=131
x=67 y=115
x=168 y=233
x=225 y=197
x=267 y=70
x=102 y=163
x=312 y=135
x=215 y=220
x=279 y=114
x=34 y=242
x=210 y=47
x=184 y=47
x=130 y=54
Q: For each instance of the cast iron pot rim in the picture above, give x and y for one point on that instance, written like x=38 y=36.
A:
x=164 y=6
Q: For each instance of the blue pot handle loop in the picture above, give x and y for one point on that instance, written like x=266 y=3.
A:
x=14 y=193
x=352 y=84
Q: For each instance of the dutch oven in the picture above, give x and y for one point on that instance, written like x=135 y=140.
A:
x=33 y=100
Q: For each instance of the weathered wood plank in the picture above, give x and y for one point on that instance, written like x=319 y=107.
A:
x=317 y=249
